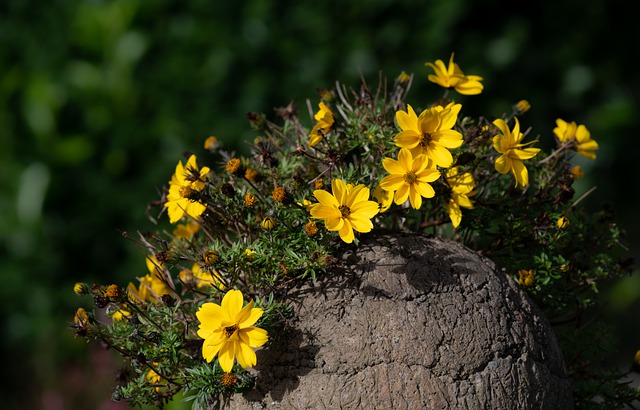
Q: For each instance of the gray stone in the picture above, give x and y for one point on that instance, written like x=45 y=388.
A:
x=411 y=322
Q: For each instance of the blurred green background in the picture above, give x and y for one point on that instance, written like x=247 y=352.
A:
x=99 y=99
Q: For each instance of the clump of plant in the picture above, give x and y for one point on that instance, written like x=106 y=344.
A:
x=247 y=230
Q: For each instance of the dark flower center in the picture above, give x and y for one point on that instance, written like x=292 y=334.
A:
x=410 y=177
x=345 y=211
x=230 y=330
x=425 y=139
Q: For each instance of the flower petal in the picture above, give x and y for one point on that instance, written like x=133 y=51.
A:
x=256 y=337
x=407 y=139
x=402 y=194
x=232 y=303
x=346 y=232
x=325 y=198
x=226 y=356
x=414 y=197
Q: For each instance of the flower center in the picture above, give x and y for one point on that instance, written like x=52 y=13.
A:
x=410 y=177
x=345 y=211
x=230 y=330
x=186 y=192
x=425 y=139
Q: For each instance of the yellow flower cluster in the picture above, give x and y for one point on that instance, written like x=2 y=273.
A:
x=186 y=182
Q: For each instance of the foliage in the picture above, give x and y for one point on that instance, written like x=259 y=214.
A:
x=267 y=222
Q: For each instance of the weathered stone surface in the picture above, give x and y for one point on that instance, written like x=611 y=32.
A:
x=412 y=322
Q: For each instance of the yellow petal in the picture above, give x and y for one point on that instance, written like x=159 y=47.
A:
x=358 y=194
x=503 y=164
x=211 y=315
x=414 y=197
x=339 y=190
x=232 y=303
x=226 y=356
x=402 y=194
x=520 y=173
x=428 y=175
x=334 y=224
x=440 y=155
x=321 y=211
x=211 y=347
x=455 y=214
x=325 y=198
x=393 y=167
x=525 y=153
x=346 y=232
x=407 y=120
x=251 y=318
x=424 y=189
x=367 y=209
x=361 y=223
x=407 y=139
x=450 y=116
x=256 y=337
x=448 y=138
x=392 y=182
x=246 y=356
x=502 y=126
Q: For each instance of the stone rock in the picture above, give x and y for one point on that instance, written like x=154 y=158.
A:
x=411 y=322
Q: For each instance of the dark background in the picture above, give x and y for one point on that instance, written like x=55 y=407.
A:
x=99 y=99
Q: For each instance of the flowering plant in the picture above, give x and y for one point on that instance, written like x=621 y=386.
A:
x=250 y=229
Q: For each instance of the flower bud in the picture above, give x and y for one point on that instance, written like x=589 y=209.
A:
x=81 y=288
x=211 y=257
x=268 y=223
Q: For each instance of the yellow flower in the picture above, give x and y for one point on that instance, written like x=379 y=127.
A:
x=205 y=278
x=152 y=286
x=229 y=380
x=211 y=143
x=268 y=223
x=403 y=78
x=563 y=222
x=526 y=277
x=81 y=318
x=81 y=288
x=577 y=172
x=522 y=106
x=409 y=177
x=461 y=189
x=152 y=377
x=345 y=210
x=249 y=254
x=453 y=77
x=211 y=256
x=324 y=122
x=120 y=314
x=184 y=184
x=430 y=134
x=508 y=144
x=578 y=135
x=228 y=331
x=186 y=231
x=279 y=194
x=311 y=229
x=384 y=198
x=234 y=166
x=251 y=175
x=306 y=204
x=250 y=200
